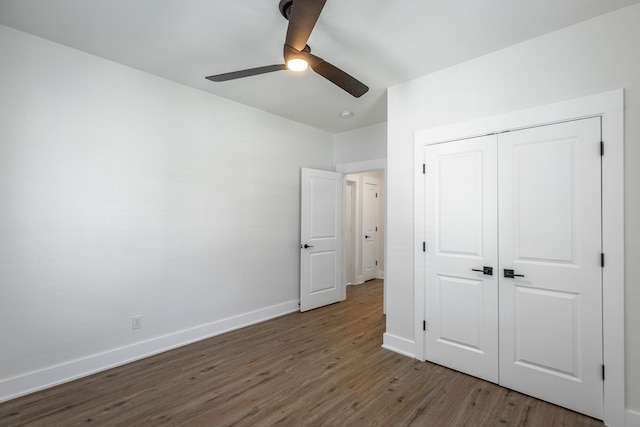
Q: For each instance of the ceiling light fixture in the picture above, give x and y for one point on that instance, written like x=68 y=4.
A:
x=346 y=114
x=297 y=64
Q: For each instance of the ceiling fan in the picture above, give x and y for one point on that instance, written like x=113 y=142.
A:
x=302 y=16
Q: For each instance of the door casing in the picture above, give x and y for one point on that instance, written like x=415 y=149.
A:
x=369 y=227
x=349 y=233
x=609 y=106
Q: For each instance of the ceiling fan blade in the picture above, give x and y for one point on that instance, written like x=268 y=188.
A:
x=304 y=15
x=338 y=77
x=246 y=73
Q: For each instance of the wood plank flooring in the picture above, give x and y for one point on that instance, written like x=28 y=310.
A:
x=323 y=367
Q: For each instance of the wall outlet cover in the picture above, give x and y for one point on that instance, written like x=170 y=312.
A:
x=136 y=322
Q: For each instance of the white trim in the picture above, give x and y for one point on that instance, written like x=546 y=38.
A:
x=399 y=345
x=610 y=107
x=49 y=377
x=632 y=419
x=419 y=260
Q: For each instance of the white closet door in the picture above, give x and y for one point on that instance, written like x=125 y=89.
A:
x=461 y=236
x=550 y=236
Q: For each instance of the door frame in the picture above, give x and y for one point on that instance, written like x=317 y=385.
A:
x=366 y=166
x=364 y=211
x=350 y=232
x=609 y=106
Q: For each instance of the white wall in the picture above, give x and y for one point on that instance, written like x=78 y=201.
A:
x=592 y=57
x=121 y=194
x=367 y=143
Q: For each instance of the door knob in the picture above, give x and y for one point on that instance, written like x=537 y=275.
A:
x=305 y=246
x=366 y=237
x=485 y=270
x=510 y=274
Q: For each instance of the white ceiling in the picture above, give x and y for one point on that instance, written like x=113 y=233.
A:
x=380 y=42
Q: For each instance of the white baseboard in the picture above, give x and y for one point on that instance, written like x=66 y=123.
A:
x=12 y=388
x=632 y=419
x=399 y=345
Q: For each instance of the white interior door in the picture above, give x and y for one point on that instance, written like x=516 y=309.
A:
x=461 y=238
x=528 y=204
x=550 y=236
x=321 y=239
x=369 y=227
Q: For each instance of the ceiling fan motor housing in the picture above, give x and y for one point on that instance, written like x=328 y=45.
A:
x=285 y=8
x=297 y=53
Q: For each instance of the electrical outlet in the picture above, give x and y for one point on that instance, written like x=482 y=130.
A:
x=136 y=322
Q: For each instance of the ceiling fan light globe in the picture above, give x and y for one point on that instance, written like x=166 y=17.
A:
x=297 y=64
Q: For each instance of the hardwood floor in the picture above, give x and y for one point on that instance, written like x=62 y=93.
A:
x=323 y=367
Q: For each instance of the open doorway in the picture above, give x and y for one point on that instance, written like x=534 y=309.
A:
x=364 y=226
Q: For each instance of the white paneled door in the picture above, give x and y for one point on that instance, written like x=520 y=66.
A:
x=462 y=256
x=527 y=204
x=321 y=239
x=550 y=237
x=369 y=227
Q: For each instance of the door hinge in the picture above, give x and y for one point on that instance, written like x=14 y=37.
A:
x=602 y=372
x=424 y=168
x=602 y=148
x=601 y=260
x=376 y=262
x=424 y=246
x=376 y=228
x=376 y=195
x=424 y=326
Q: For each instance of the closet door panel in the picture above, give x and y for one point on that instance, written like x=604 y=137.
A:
x=461 y=304
x=550 y=274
